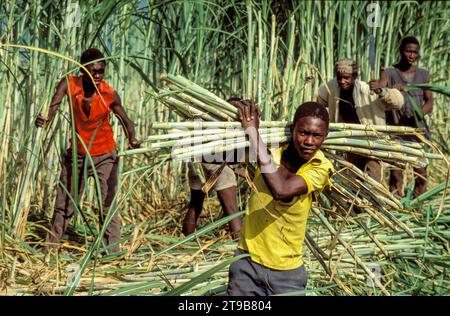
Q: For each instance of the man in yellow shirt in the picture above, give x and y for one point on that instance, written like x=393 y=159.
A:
x=275 y=222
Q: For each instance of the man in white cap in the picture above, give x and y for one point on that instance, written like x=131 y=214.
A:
x=350 y=100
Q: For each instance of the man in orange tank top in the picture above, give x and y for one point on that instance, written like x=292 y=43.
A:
x=91 y=103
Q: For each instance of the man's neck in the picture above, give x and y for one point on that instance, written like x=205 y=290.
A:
x=88 y=89
x=404 y=66
x=291 y=159
x=347 y=95
x=348 y=92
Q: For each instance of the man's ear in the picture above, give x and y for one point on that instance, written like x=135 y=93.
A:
x=291 y=128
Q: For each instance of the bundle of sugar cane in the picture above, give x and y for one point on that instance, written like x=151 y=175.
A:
x=195 y=139
x=216 y=129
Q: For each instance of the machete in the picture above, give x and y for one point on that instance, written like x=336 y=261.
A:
x=372 y=52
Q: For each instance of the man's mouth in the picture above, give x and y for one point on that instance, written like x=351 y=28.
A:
x=307 y=151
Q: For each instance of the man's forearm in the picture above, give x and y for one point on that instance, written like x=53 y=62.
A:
x=272 y=178
x=259 y=148
x=129 y=127
x=52 y=112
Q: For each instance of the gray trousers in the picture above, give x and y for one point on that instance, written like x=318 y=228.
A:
x=106 y=167
x=248 y=278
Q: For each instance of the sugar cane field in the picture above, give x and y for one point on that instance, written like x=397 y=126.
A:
x=174 y=64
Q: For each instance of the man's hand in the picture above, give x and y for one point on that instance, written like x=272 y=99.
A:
x=41 y=121
x=248 y=113
x=134 y=143
x=240 y=172
x=399 y=87
x=375 y=86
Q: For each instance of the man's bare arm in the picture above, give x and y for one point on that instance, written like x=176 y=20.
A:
x=384 y=79
x=428 y=105
x=126 y=123
x=61 y=89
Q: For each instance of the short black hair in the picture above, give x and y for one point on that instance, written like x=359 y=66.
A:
x=234 y=99
x=313 y=109
x=408 y=40
x=91 y=54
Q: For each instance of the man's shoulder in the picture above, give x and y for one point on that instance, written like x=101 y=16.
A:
x=74 y=84
x=72 y=79
x=317 y=172
x=361 y=83
x=105 y=87
x=363 y=86
x=390 y=71
x=320 y=160
x=329 y=87
x=422 y=72
x=109 y=93
x=331 y=83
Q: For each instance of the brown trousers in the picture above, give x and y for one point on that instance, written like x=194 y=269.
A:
x=106 y=167
x=371 y=166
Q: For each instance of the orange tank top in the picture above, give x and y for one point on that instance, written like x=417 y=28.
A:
x=95 y=128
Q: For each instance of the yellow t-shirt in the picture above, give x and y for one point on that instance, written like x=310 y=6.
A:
x=273 y=230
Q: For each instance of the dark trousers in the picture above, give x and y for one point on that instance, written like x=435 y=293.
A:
x=248 y=278
x=420 y=181
x=106 y=168
x=371 y=166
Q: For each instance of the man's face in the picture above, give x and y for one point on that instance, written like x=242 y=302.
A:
x=346 y=81
x=97 y=71
x=410 y=53
x=308 y=135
